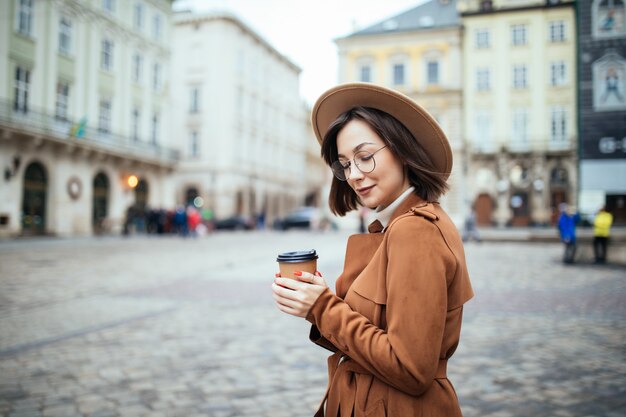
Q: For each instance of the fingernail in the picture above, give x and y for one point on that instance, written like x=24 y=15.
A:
x=277 y=274
x=318 y=273
x=298 y=273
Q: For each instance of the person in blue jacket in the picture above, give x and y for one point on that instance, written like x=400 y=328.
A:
x=567 y=228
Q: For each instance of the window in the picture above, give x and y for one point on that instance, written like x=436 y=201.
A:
x=137 y=67
x=156 y=76
x=194 y=144
x=520 y=79
x=157 y=27
x=486 y=5
x=483 y=132
x=519 y=134
x=558 y=74
x=104 y=119
x=65 y=35
x=155 y=129
x=398 y=74
x=483 y=82
x=108 y=5
x=432 y=72
x=482 y=38
x=106 y=59
x=518 y=35
x=62 y=100
x=22 y=87
x=558 y=125
x=25 y=17
x=138 y=16
x=194 y=100
x=557 y=31
x=135 y=124
x=365 y=73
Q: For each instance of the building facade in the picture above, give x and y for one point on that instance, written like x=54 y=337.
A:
x=602 y=110
x=239 y=118
x=418 y=53
x=520 y=104
x=84 y=133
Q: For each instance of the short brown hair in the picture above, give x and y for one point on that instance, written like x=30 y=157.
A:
x=428 y=183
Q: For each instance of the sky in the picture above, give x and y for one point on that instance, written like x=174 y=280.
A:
x=304 y=30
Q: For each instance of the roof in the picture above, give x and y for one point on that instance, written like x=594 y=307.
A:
x=187 y=17
x=430 y=15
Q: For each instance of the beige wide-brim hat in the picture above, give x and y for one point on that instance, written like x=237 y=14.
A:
x=418 y=121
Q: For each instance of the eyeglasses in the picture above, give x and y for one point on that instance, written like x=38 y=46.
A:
x=363 y=160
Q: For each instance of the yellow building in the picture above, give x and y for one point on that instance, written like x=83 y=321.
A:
x=520 y=108
x=418 y=53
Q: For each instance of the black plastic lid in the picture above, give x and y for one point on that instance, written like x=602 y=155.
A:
x=300 y=256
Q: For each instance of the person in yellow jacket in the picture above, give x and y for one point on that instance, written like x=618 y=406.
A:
x=601 y=231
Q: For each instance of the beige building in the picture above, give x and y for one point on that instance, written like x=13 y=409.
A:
x=418 y=53
x=83 y=109
x=520 y=106
x=240 y=120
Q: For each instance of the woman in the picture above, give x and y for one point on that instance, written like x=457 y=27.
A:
x=395 y=319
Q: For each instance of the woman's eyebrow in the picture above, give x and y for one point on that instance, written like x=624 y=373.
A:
x=357 y=148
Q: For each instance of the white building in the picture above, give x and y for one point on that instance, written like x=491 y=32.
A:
x=238 y=117
x=83 y=107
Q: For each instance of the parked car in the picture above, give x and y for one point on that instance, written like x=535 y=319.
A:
x=301 y=218
x=236 y=222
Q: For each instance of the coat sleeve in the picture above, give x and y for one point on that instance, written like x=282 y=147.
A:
x=316 y=337
x=406 y=355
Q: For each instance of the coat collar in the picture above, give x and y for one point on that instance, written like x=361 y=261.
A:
x=411 y=201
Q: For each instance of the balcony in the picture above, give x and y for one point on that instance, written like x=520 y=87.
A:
x=41 y=126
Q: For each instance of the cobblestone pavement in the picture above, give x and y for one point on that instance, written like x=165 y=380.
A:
x=166 y=327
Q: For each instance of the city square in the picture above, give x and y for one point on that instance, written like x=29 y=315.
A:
x=166 y=326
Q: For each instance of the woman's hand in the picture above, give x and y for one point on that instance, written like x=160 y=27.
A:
x=296 y=297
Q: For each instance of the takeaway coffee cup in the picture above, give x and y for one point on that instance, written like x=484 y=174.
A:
x=289 y=262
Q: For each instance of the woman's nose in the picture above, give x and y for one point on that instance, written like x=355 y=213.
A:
x=355 y=174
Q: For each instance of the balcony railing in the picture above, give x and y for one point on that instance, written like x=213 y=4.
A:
x=45 y=124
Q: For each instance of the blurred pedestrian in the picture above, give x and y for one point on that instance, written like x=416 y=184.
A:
x=601 y=232
x=207 y=219
x=180 y=221
x=395 y=319
x=470 y=231
x=193 y=220
x=260 y=220
x=567 y=229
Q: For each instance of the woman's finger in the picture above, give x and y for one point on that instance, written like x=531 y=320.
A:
x=313 y=279
x=285 y=293
x=305 y=276
x=293 y=304
x=288 y=310
x=289 y=283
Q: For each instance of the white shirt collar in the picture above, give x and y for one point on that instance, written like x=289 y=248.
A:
x=383 y=214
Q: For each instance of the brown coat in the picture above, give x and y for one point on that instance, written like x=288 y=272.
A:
x=396 y=318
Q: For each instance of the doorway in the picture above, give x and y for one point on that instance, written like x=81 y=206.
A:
x=484 y=210
x=100 y=202
x=34 y=200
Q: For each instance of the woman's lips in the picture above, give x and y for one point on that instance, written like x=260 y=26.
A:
x=364 y=190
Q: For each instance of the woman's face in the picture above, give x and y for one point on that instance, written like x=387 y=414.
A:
x=387 y=181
